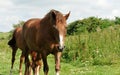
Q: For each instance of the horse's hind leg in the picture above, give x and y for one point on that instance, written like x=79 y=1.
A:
x=22 y=57
x=27 y=63
x=14 y=50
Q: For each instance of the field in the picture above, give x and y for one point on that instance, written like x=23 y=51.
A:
x=86 y=54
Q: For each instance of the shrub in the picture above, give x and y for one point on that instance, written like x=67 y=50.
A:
x=96 y=48
x=89 y=24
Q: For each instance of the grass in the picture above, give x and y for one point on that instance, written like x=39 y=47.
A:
x=5 y=63
x=86 y=54
x=98 y=48
x=66 y=68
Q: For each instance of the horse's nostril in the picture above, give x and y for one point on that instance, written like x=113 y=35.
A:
x=60 y=48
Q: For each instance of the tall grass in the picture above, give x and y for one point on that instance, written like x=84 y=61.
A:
x=98 y=48
x=6 y=55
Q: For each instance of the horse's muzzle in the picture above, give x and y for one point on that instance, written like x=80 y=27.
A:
x=60 y=48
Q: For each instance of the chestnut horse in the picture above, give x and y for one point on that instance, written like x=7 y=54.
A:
x=17 y=42
x=45 y=36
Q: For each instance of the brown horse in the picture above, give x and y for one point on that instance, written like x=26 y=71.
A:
x=45 y=36
x=17 y=42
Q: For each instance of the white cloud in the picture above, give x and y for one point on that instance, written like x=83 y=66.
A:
x=12 y=11
x=115 y=12
x=6 y=3
x=103 y=3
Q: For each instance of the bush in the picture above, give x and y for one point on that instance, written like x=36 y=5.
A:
x=96 y=48
x=89 y=24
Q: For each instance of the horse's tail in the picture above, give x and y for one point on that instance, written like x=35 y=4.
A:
x=12 y=42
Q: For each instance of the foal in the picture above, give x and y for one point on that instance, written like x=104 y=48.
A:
x=17 y=42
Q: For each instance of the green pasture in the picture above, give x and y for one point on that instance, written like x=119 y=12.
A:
x=95 y=53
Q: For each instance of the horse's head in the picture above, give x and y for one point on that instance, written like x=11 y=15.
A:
x=60 y=26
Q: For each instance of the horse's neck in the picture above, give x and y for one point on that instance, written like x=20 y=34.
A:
x=47 y=28
x=46 y=23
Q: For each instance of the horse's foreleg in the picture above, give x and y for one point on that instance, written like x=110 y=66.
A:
x=30 y=70
x=57 y=62
x=21 y=61
x=37 y=69
x=45 y=64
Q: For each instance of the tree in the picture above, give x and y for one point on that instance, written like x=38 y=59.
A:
x=20 y=24
x=117 y=20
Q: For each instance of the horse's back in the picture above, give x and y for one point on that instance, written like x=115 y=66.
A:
x=30 y=30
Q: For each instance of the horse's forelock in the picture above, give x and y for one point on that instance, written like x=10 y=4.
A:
x=58 y=15
x=54 y=15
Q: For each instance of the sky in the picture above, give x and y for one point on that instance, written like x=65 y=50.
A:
x=13 y=11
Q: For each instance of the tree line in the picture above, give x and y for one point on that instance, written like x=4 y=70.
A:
x=91 y=24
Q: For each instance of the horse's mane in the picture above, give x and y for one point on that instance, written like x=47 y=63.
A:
x=58 y=15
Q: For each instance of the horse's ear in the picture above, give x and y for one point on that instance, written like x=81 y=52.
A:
x=67 y=15
x=54 y=15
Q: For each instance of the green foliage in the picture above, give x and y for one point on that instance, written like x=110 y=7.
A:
x=72 y=28
x=20 y=24
x=93 y=41
x=96 y=48
x=4 y=36
x=106 y=23
x=117 y=20
x=89 y=24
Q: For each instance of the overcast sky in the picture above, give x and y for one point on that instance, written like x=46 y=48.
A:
x=13 y=11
